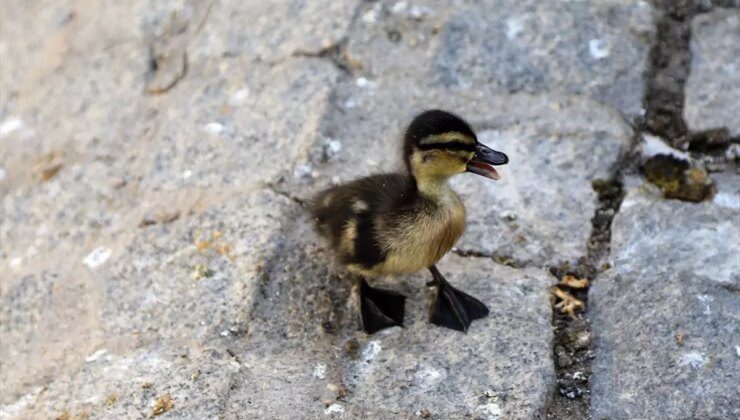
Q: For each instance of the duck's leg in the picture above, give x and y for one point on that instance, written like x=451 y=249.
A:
x=453 y=308
x=379 y=308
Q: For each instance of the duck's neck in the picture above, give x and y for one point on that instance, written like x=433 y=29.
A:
x=435 y=188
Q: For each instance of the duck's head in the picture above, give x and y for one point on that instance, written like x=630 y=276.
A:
x=438 y=145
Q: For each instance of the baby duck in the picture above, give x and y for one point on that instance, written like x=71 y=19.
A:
x=399 y=223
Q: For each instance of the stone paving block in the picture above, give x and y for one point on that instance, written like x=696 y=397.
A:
x=501 y=368
x=598 y=49
x=273 y=30
x=238 y=123
x=712 y=89
x=666 y=316
x=179 y=285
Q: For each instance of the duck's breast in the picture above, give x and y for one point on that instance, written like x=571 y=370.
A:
x=424 y=237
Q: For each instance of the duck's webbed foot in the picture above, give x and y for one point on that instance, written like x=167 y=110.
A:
x=380 y=308
x=453 y=308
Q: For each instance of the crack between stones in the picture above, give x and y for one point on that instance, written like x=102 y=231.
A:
x=298 y=200
x=572 y=350
x=168 y=53
x=335 y=53
x=500 y=259
x=669 y=67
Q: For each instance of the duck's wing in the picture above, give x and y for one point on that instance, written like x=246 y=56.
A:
x=347 y=214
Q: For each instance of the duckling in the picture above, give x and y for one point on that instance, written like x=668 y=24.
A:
x=391 y=224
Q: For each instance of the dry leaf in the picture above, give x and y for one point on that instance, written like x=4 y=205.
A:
x=111 y=399
x=49 y=172
x=568 y=304
x=163 y=405
x=572 y=281
x=680 y=338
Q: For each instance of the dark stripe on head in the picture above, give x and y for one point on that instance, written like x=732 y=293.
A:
x=451 y=145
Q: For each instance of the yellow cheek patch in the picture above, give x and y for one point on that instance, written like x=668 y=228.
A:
x=439 y=163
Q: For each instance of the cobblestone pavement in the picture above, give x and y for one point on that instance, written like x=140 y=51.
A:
x=156 y=256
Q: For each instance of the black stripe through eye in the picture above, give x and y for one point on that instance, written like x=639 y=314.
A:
x=452 y=145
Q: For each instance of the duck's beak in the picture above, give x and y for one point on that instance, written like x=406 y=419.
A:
x=484 y=159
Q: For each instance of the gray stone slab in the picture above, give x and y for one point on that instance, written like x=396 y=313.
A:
x=267 y=319
x=713 y=89
x=81 y=107
x=500 y=369
x=39 y=35
x=194 y=279
x=184 y=309
x=596 y=48
x=666 y=317
x=273 y=30
x=304 y=340
x=540 y=211
x=65 y=163
x=237 y=123
x=235 y=310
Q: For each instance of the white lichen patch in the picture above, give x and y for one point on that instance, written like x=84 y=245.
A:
x=334 y=409
x=724 y=199
x=693 y=359
x=97 y=355
x=15 y=409
x=490 y=411
x=508 y=215
x=214 y=128
x=371 y=15
x=239 y=97
x=514 y=27
x=363 y=82
x=399 y=7
x=10 y=125
x=303 y=171
x=371 y=350
x=706 y=300
x=98 y=257
x=598 y=48
x=319 y=371
x=332 y=148
x=419 y=12
x=427 y=377
x=654 y=145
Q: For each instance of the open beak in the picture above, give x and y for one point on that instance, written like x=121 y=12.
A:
x=483 y=161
